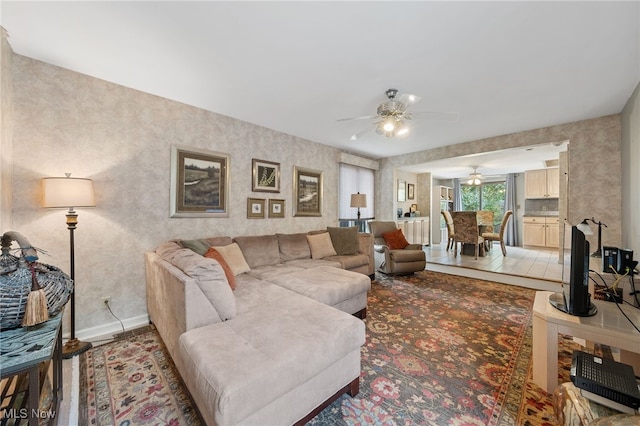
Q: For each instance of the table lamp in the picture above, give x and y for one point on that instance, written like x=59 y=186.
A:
x=359 y=200
x=68 y=192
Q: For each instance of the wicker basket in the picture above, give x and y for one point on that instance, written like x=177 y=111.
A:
x=16 y=281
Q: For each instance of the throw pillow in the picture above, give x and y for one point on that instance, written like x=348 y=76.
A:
x=321 y=245
x=234 y=258
x=215 y=254
x=344 y=240
x=199 y=246
x=395 y=239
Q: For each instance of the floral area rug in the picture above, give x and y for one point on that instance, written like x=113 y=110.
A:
x=133 y=381
x=445 y=350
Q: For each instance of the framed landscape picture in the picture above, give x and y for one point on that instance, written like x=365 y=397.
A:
x=199 y=183
x=265 y=176
x=276 y=208
x=255 y=208
x=307 y=192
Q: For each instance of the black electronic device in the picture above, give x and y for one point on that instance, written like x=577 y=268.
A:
x=575 y=298
x=610 y=259
x=627 y=265
x=606 y=381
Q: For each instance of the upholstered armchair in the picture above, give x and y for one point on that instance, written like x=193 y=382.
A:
x=466 y=226
x=392 y=253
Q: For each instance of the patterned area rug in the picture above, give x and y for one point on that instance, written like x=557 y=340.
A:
x=133 y=381
x=440 y=350
x=445 y=350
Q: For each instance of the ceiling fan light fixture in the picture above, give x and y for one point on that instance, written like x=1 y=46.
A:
x=389 y=125
x=402 y=129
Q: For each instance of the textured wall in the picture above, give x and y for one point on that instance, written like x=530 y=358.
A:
x=6 y=131
x=121 y=138
x=631 y=174
x=595 y=183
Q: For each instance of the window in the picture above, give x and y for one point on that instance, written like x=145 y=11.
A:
x=486 y=196
x=354 y=179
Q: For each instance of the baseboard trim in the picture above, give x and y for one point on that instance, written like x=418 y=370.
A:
x=109 y=329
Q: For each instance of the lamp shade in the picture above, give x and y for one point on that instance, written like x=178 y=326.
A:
x=358 y=200
x=67 y=192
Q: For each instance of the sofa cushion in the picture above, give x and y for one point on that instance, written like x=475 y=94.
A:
x=312 y=263
x=259 y=250
x=321 y=245
x=215 y=254
x=233 y=255
x=349 y=262
x=199 y=246
x=330 y=286
x=207 y=272
x=344 y=240
x=293 y=246
x=395 y=239
x=268 y=271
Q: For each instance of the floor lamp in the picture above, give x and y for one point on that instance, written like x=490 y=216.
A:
x=68 y=192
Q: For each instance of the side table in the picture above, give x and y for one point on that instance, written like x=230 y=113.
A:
x=22 y=350
x=608 y=327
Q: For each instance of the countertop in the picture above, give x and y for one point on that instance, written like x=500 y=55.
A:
x=546 y=213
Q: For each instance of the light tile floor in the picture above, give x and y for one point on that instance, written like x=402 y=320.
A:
x=531 y=263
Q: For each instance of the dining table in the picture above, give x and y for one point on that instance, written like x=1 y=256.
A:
x=485 y=224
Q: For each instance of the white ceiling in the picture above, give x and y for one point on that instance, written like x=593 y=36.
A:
x=297 y=67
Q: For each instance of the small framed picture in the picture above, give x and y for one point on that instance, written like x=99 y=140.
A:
x=255 y=208
x=276 y=208
x=265 y=176
x=410 y=191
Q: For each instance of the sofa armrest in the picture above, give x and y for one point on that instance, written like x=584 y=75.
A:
x=175 y=302
x=365 y=246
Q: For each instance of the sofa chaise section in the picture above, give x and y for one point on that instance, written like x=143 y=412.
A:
x=282 y=357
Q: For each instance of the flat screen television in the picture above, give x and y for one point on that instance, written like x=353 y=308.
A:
x=575 y=298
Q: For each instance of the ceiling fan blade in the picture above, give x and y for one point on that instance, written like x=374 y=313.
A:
x=407 y=99
x=360 y=134
x=366 y=117
x=435 y=116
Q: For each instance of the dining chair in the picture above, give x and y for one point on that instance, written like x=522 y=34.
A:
x=492 y=236
x=448 y=220
x=466 y=230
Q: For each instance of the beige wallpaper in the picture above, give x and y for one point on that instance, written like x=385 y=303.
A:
x=6 y=131
x=121 y=138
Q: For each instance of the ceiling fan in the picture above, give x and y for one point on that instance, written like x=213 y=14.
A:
x=392 y=115
x=474 y=178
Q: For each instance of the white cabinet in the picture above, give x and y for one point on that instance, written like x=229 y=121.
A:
x=544 y=183
x=442 y=199
x=415 y=230
x=541 y=231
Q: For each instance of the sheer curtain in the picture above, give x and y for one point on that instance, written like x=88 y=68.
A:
x=354 y=179
x=457 y=195
x=510 y=233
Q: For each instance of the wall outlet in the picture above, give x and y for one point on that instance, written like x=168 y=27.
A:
x=106 y=300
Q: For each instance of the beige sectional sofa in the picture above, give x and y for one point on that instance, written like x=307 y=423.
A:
x=279 y=347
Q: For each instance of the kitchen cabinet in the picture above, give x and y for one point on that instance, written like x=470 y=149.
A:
x=541 y=231
x=415 y=230
x=544 y=183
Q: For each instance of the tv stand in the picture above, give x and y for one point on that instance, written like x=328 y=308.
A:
x=557 y=301
x=608 y=327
